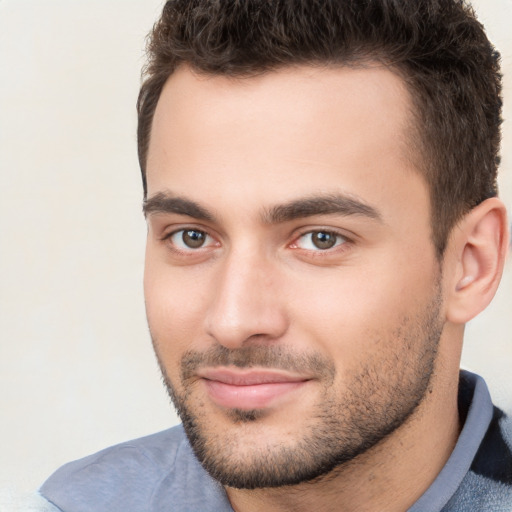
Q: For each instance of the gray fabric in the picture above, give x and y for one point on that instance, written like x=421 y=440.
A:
x=480 y=493
x=159 y=473
x=451 y=476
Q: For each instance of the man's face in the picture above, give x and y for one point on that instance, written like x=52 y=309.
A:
x=292 y=289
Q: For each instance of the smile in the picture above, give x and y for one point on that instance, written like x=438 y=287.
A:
x=249 y=390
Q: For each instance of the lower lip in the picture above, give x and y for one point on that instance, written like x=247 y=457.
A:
x=250 y=397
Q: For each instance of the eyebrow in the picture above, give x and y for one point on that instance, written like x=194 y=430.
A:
x=332 y=204
x=166 y=203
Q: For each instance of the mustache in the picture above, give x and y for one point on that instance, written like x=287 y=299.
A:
x=272 y=357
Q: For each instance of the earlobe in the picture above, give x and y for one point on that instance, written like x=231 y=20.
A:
x=479 y=248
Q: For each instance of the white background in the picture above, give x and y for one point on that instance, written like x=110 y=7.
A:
x=77 y=371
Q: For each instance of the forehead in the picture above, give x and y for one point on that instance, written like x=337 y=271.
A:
x=266 y=139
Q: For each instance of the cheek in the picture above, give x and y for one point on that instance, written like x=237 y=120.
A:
x=174 y=307
x=355 y=312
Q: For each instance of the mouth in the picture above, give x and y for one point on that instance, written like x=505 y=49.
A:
x=250 y=389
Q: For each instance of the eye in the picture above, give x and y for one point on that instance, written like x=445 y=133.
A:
x=186 y=239
x=319 y=240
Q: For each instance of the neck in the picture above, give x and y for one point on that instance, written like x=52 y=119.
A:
x=390 y=477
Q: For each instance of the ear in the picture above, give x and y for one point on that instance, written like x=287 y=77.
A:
x=476 y=253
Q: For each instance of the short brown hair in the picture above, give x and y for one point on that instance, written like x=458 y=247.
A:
x=437 y=46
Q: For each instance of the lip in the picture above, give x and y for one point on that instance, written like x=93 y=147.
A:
x=249 y=389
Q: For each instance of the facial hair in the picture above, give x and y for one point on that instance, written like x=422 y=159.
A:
x=346 y=422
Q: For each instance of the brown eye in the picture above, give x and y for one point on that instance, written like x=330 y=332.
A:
x=187 y=239
x=320 y=240
x=323 y=240
x=193 y=238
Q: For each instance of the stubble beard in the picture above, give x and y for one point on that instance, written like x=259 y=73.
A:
x=348 y=422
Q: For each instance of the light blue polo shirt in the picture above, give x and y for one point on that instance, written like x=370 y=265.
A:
x=160 y=473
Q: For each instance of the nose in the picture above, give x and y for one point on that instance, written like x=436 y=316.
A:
x=246 y=305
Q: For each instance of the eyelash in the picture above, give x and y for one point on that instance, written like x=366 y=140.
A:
x=340 y=240
x=168 y=238
x=317 y=253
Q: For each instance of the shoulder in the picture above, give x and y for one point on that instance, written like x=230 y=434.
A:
x=488 y=484
x=131 y=476
x=494 y=457
x=145 y=456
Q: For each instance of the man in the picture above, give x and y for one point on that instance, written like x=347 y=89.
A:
x=320 y=191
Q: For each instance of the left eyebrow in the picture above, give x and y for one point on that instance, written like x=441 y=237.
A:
x=168 y=203
x=321 y=205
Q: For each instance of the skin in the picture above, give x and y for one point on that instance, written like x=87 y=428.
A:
x=378 y=310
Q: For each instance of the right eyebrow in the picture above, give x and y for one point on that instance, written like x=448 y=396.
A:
x=331 y=204
x=168 y=203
